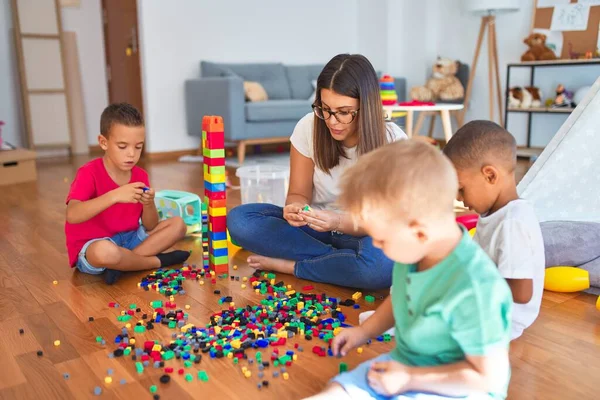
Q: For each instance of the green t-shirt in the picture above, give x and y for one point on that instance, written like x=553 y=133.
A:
x=460 y=306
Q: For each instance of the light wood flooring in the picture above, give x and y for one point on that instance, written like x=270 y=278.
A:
x=557 y=358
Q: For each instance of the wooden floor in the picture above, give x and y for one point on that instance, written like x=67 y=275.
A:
x=557 y=358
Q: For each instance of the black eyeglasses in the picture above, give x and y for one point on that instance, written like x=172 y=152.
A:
x=343 y=117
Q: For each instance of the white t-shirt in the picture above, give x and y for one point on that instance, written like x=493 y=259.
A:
x=512 y=237
x=325 y=186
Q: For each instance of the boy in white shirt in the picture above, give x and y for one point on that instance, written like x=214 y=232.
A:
x=484 y=155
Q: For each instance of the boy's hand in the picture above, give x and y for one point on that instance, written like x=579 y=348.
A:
x=348 y=339
x=322 y=220
x=131 y=193
x=389 y=378
x=291 y=213
x=147 y=197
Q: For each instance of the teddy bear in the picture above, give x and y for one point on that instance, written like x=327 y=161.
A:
x=537 y=48
x=443 y=84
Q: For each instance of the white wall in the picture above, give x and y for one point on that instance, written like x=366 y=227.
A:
x=86 y=22
x=10 y=106
x=176 y=37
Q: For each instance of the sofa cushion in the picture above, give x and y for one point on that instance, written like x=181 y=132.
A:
x=270 y=75
x=300 y=78
x=255 y=92
x=277 y=110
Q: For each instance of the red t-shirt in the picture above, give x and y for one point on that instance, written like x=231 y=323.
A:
x=93 y=181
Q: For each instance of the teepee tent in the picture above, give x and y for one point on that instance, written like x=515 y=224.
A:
x=564 y=183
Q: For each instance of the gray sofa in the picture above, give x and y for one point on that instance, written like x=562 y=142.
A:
x=220 y=91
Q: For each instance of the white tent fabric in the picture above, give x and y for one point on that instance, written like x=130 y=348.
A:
x=564 y=183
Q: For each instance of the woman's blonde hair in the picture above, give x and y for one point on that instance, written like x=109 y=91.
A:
x=408 y=178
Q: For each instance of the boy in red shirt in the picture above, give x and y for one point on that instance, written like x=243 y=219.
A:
x=107 y=199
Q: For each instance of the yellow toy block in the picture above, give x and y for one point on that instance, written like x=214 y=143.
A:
x=236 y=344
x=290 y=292
x=213 y=178
x=300 y=305
x=282 y=334
x=157 y=347
x=220 y=244
x=356 y=296
x=217 y=212
x=337 y=330
x=217 y=330
x=186 y=328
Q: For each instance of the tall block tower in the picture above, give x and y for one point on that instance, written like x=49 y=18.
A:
x=213 y=151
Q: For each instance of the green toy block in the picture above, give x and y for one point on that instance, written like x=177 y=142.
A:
x=307 y=208
x=98 y=339
x=187 y=364
x=153 y=389
x=203 y=376
x=369 y=299
x=172 y=324
x=156 y=304
x=139 y=367
x=213 y=153
x=132 y=306
x=168 y=355
x=343 y=367
x=139 y=329
x=189 y=377
x=127 y=352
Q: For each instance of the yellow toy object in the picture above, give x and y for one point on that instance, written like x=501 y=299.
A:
x=598 y=303
x=567 y=280
x=233 y=248
x=472 y=231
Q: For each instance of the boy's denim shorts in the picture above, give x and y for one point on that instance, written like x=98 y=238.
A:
x=128 y=240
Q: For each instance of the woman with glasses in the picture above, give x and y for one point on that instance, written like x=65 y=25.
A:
x=321 y=242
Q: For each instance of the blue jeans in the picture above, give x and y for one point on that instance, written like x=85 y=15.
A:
x=339 y=259
x=129 y=240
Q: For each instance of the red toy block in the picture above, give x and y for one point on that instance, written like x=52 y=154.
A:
x=219 y=224
x=306 y=288
x=215 y=140
x=148 y=345
x=169 y=370
x=181 y=371
x=221 y=268
x=319 y=351
x=112 y=304
x=214 y=162
x=212 y=123
x=214 y=195
x=279 y=342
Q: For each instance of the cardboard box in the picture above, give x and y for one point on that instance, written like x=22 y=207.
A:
x=17 y=166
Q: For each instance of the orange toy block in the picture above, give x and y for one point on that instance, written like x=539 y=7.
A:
x=212 y=123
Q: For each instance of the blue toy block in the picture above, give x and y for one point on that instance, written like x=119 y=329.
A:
x=214 y=187
x=215 y=236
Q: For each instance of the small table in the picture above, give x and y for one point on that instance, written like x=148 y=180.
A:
x=443 y=109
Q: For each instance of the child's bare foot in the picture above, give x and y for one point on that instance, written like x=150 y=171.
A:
x=271 y=264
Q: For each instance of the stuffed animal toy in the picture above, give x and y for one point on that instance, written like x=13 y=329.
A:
x=537 y=48
x=524 y=97
x=563 y=98
x=443 y=84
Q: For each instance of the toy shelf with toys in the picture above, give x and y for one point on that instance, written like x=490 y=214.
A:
x=542 y=109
